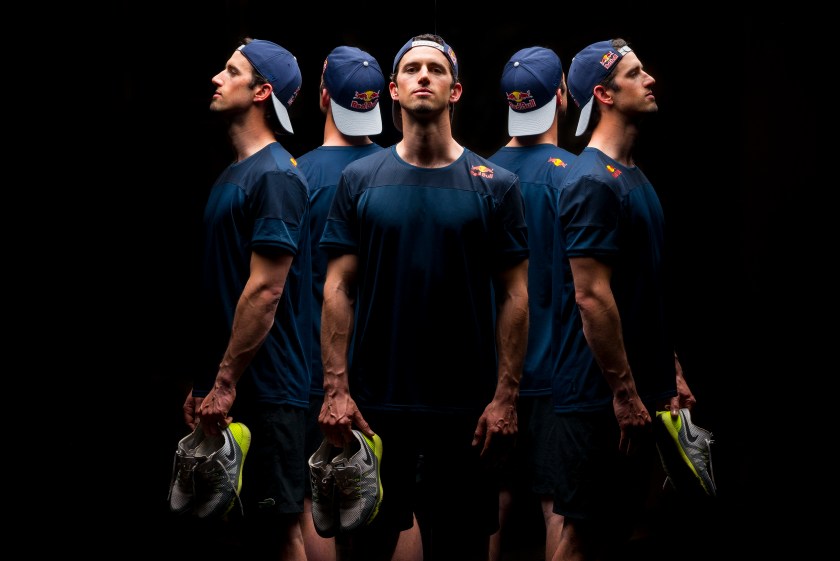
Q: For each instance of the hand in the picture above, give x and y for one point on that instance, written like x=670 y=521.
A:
x=191 y=406
x=214 y=409
x=499 y=422
x=634 y=421
x=684 y=398
x=339 y=414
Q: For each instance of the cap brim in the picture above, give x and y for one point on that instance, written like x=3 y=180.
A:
x=356 y=123
x=282 y=114
x=585 y=111
x=533 y=122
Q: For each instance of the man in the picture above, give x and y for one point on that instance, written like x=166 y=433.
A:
x=534 y=86
x=351 y=86
x=615 y=364
x=421 y=237
x=256 y=276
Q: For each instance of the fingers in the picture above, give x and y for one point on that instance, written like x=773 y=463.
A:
x=363 y=425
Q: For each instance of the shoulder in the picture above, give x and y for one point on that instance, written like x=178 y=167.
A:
x=485 y=168
x=376 y=158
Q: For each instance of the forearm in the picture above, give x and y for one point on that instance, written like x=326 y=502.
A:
x=512 y=333
x=252 y=321
x=336 y=331
x=602 y=329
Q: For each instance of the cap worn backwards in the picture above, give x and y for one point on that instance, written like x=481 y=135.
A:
x=443 y=47
x=355 y=81
x=280 y=68
x=529 y=83
x=588 y=69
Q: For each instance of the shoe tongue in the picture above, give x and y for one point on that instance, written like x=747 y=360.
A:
x=210 y=445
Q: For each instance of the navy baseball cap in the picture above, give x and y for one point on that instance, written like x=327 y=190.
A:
x=355 y=81
x=588 y=69
x=529 y=83
x=447 y=51
x=280 y=68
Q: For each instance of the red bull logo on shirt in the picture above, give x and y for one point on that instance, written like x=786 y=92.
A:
x=521 y=101
x=557 y=162
x=482 y=171
x=614 y=172
x=365 y=101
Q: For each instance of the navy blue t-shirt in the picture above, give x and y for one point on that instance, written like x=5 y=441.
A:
x=429 y=242
x=541 y=170
x=611 y=212
x=260 y=204
x=322 y=168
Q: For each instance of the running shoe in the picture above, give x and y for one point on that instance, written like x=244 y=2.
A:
x=685 y=451
x=357 y=481
x=218 y=473
x=182 y=489
x=324 y=503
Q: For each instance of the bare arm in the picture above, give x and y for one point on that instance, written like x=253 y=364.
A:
x=499 y=417
x=252 y=320
x=602 y=328
x=339 y=411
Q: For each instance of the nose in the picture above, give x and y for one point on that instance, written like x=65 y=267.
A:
x=423 y=74
x=649 y=80
x=216 y=80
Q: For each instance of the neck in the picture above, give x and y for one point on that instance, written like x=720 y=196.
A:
x=428 y=144
x=249 y=133
x=615 y=139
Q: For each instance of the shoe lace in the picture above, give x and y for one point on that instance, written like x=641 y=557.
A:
x=184 y=469
x=708 y=459
x=321 y=478
x=349 y=481
x=218 y=480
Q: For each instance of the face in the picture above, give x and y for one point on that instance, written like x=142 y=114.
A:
x=424 y=83
x=634 y=94
x=233 y=91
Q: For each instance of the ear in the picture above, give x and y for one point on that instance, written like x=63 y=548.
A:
x=603 y=95
x=325 y=98
x=395 y=92
x=262 y=92
x=455 y=95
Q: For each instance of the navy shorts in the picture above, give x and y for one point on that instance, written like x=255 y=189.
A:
x=274 y=475
x=429 y=467
x=595 y=481
x=532 y=466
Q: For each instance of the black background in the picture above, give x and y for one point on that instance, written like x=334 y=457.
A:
x=712 y=152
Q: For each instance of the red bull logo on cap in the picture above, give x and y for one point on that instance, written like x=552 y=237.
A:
x=608 y=59
x=521 y=101
x=452 y=57
x=365 y=101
